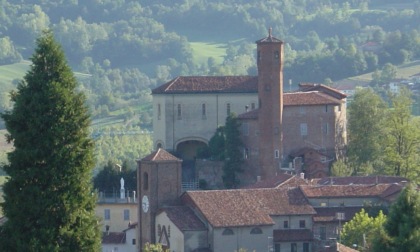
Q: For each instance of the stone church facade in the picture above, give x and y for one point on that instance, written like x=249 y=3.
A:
x=300 y=131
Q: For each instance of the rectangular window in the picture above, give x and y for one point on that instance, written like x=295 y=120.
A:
x=326 y=128
x=326 y=108
x=126 y=214
x=305 y=247
x=133 y=242
x=302 y=224
x=286 y=224
x=227 y=109
x=203 y=110
x=246 y=153
x=245 y=129
x=303 y=129
x=159 y=112
x=179 y=112
x=293 y=247
x=276 y=154
x=302 y=110
x=107 y=214
x=323 y=233
x=277 y=247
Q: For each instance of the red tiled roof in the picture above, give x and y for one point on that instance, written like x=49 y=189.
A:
x=184 y=218
x=306 y=87
x=113 y=238
x=281 y=180
x=362 y=180
x=253 y=114
x=337 y=247
x=209 y=84
x=247 y=207
x=345 y=190
x=292 y=235
x=160 y=155
x=309 y=98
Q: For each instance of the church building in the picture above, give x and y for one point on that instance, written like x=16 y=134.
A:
x=300 y=132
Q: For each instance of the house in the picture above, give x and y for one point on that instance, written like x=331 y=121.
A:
x=120 y=241
x=285 y=212
x=189 y=109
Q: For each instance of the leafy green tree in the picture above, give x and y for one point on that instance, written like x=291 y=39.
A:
x=154 y=248
x=365 y=116
x=48 y=197
x=402 y=141
x=362 y=229
x=402 y=227
x=340 y=169
x=233 y=158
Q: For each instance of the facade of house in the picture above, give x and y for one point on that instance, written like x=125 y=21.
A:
x=188 y=110
x=121 y=241
x=283 y=213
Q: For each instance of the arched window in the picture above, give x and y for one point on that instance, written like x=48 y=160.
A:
x=145 y=181
x=256 y=230
x=227 y=231
x=159 y=145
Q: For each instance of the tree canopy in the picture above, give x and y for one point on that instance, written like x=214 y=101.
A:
x=48 y=197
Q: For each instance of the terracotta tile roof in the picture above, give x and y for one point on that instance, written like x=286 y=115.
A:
x=328 y=214
x=253 y=114
x=113 y=238
x=362 y=180
x=306 y=87
x=184 y=218
x=160 y=155
x=345 y=191
x=247 y=207
x=281 y=180
x=209 y=84
x=292 y=235
x=338 y=247
x=309 y=98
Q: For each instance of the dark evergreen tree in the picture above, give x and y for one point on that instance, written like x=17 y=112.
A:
x=233 y=154
x=402 y=227
x=48 y=197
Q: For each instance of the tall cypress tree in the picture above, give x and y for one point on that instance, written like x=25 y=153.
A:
x=48 y=198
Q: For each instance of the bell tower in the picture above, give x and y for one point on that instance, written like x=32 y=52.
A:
x=270 y=99
x=159 y=184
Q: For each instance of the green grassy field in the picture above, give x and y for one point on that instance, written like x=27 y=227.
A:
x=203 y=50
x=404 y=71
x=14 y=71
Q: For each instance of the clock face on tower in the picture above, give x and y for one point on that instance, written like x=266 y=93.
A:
x=145 y=203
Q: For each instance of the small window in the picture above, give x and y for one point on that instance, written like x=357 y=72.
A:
x=302 y=110
x=276 y=154
x=145 y=181
x=277 y=247
x=276 y=130
x=326 y=108
x=107 y=214
x=303 y=129
x=259 y=56
x=179 y=113
x=305 y=247
x=339 y=108
x=126 y=214
x=245 y=129
x=286 y=224
x=302 y=224
x=276 y=55
x=293 y=247
x=228 y=109
x=253 y=106
x=326 y=128
x=133 y=242
x=227 y=231
x=256 y=230
x=323 y=233
x=203 y=110
x=246 y=153
x=158 y=112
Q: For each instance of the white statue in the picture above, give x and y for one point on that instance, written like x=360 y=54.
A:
x=122 y=183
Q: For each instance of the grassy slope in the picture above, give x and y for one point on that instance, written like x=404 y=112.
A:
x=204 y=50
x=404 y=71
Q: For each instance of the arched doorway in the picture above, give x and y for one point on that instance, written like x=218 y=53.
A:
x=187 y=149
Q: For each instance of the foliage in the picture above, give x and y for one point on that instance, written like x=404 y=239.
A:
x=365 y=129
x=154 y=248
x=340 y=169
x=48 y=196
x=108 y=179
x=402 y=227
x=362 y=229
x=402 y=139
x=233 y=158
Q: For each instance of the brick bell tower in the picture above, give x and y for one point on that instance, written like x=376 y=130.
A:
x=159 y=178
x=270 y=99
